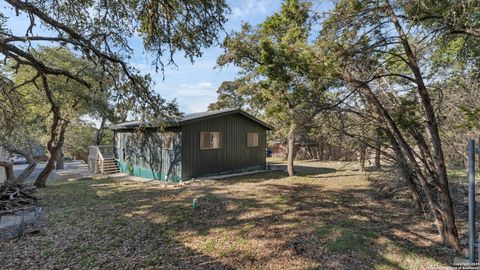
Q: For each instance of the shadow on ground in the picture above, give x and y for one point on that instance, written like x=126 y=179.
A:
x=278 y=172
x=257 y=222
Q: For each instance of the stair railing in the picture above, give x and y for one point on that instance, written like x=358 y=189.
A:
x=96 y=157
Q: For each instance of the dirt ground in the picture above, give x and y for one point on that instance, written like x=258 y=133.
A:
x=324 y=218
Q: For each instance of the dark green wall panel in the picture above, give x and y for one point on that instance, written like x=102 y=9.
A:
x=234 y=155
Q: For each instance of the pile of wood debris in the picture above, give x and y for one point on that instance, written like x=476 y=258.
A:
x=17 y=197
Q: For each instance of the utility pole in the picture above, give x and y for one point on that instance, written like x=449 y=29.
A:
x=471 y=201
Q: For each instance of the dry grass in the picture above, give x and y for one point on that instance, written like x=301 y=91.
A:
x=325 y=218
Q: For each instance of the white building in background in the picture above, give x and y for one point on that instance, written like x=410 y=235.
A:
x=3 y=157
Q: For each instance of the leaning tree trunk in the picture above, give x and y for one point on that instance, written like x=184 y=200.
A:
x=32 y=164
x=406 y=171
x=10 y=181
x=54 y=149
x=445 y=211
x=378 y=150
x=442 y=213
x=57 y=136
x=27 y=154
x=291 y=150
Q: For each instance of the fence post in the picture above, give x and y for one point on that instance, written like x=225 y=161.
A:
x=471 y=200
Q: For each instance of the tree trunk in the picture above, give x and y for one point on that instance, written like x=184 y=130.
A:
x=406 y=171
x=32 y=164
x=363 y=154
x=410 y=179
x=54 y=151
x=59 y=164
x=101 y=131
x=57 y=135
x=291 y=150
x=11 y=181
x=310 y=152
x=378 y=150
x=450 y=234
x=27 y=154
x=321 y=151
x=443 y=215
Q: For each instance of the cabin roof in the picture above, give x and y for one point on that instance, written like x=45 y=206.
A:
x=190 y=118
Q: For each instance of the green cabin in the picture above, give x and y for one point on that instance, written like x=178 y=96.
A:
x=198 y=145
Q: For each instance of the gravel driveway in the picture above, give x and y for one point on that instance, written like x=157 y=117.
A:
x=73 y=169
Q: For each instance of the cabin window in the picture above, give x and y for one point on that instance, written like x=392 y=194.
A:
x=167 y=140
x=210 y=140
x=253 y=140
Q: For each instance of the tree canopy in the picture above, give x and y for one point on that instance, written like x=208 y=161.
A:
x=392 y=76
x=97 y=34
x=277 y=72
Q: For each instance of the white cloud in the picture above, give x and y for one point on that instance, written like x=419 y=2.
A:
x=199 y=104
x=250 y=7
x=196 y=90
x=191 y=97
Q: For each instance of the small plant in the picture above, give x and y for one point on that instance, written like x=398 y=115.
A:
x=195 y=203
x=130 y=168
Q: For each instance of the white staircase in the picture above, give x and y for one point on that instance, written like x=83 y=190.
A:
x=109 y=166
x=101 y=160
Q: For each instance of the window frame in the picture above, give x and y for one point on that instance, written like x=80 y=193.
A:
x=258 y=139
x=220 y=143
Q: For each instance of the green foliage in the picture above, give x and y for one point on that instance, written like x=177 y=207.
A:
x=358 y=36
x=179 y=25
x=277 y=72
x=408 y=114
x=471 y=117
x=74 y=98
x=85 y=63
x=456 y=26
x=80 y=135
x=166 y=27
x=238 y=94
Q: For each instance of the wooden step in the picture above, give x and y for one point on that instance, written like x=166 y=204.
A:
x=114 y=163
x=110 y=171
x=110 y=165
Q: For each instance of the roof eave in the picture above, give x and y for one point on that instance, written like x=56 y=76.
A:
x=242 y=112
x=189 y=121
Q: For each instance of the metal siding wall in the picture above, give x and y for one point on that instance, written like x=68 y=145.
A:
x=150 y=161
x=234 y=154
